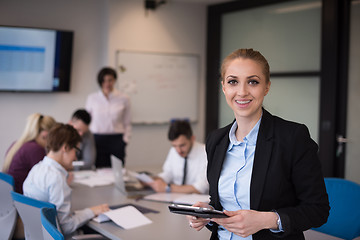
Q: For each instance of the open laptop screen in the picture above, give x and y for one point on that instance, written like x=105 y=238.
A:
x=117 y=168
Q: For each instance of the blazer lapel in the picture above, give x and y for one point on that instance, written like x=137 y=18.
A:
x=261 y=159
x=218 y=157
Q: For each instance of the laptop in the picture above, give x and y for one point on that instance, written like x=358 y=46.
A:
x=117 y=168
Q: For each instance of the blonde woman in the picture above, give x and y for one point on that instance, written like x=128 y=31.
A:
x=263 y=171
x=29 y=149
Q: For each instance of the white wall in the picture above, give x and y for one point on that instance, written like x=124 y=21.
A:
x=102 y=27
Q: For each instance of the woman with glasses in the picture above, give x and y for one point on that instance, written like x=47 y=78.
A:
x=47 y=180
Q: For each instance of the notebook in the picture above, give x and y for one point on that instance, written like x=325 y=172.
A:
x=117 y=168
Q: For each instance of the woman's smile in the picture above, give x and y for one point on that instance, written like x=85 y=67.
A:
x=245 y=87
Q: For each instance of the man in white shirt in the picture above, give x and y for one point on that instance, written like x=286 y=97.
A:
x=184 y=170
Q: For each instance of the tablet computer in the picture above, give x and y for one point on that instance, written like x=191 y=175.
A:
x=196 y=211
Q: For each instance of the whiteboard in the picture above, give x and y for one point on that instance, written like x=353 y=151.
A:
x=161 y=86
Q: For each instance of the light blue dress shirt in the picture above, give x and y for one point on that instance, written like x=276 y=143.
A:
x=47 y=182
x=234 y=182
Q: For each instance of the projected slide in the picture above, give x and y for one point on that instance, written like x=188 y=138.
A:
x=27 y=58
x=21 y=58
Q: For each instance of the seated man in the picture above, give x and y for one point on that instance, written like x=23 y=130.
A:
x=80 y=120
x=184 y=170
x=47 y=180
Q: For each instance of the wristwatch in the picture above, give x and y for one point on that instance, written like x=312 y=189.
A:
x=278 y=221
x=168 y=188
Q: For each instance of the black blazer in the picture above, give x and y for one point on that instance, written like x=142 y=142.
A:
x=286 y=176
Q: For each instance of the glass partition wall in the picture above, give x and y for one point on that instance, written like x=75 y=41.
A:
x=288 y=35
x=306 y=43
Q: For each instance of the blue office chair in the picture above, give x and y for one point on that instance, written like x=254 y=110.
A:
x=8 y=213
x=51 y=232
x=344 y=218
x=29 y=211
x=48 y=222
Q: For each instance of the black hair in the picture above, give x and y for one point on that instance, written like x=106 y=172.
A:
x=179 y=127
x=83 y=115
x=105 y=71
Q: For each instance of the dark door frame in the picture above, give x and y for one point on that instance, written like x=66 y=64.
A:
x=333 y=74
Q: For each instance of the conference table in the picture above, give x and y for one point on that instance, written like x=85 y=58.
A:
x=165 y=225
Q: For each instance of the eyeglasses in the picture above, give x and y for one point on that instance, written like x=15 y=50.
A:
x=78 y=150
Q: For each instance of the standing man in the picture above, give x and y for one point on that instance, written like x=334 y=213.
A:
x=184 y=170
x=80 y=120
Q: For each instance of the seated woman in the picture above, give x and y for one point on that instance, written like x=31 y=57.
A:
x=47 y=180
x=29 y=149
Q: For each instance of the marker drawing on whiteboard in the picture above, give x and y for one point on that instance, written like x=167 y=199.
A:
x=122 y=68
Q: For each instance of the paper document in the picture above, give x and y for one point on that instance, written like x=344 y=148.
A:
x=78 y=163
x=126 y=217
x=101 y=177
x=141 y=176
x=83 y=174
x=182 y=198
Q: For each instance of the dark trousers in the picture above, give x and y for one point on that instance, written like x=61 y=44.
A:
x=107 y=144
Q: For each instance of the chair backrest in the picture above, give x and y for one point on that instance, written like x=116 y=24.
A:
x=48 y=222
x=7 y=209
x=29 y=211
x=344 y=218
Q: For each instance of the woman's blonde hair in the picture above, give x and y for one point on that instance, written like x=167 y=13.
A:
x=247 y=53
x=34 y=125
